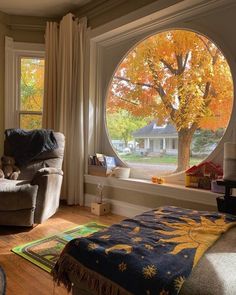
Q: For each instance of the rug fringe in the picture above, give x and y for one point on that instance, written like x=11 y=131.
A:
x=68 y=267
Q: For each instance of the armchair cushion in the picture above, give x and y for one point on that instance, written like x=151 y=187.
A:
x=17 y=195
x=28 y=172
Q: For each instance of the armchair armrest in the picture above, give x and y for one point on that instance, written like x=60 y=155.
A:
x=49 y=182
x=47 y=171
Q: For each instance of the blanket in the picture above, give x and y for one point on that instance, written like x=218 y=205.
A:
x=152 y=253
x=27 y=145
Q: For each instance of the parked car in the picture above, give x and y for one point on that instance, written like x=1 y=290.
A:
x=126 y=150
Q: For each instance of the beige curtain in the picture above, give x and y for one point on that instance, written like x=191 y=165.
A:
x=64 y=98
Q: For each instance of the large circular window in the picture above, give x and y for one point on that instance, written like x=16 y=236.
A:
x=169 y=102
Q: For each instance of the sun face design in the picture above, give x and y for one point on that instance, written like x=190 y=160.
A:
x=195 y=235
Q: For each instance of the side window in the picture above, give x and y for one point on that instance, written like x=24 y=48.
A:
x=24 y=84
x=30 y=92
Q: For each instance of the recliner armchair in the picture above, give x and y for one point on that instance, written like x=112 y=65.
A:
x=35 y=196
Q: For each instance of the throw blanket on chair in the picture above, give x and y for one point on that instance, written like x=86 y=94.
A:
x=152 y=253
x=27 y=145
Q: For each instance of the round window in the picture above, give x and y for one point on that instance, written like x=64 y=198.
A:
x=169 y=102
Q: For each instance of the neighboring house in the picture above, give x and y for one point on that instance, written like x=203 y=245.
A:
x=157 y=139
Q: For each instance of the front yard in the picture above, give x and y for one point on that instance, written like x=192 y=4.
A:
x=162 y=159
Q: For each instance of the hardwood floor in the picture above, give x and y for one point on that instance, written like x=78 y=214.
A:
x=23 y=277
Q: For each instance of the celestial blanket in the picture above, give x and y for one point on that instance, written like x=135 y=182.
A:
x=153 y=253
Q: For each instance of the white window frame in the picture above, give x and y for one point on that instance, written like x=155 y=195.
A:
x=14 y=51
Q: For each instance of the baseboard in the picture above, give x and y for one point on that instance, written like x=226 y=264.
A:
x=118 y=207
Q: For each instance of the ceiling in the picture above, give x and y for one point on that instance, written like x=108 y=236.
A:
x=46 y=8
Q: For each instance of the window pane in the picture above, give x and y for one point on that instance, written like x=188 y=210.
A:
x=31 y=84
x=30 y=121
x=169 y=103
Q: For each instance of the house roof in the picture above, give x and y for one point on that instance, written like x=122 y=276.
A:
x=154 y=131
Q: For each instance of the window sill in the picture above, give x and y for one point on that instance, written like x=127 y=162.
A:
x=174 y=191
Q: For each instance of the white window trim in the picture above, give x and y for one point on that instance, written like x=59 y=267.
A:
x=13 y=52
x=141 y=23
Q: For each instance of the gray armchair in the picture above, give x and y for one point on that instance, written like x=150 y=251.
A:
x=35 y=196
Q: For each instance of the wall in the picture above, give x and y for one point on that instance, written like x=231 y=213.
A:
x=141 y=199
x=100 y=12
x=3 y=31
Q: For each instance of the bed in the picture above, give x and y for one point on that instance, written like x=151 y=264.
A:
x=165 y=251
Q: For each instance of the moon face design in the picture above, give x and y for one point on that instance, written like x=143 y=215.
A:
x=120 y=247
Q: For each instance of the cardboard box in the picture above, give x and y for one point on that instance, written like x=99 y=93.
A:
x=100 y=208
x=98 y=170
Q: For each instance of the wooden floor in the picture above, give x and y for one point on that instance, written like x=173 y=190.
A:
x=23 y=277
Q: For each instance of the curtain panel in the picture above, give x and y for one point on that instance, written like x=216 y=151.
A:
x=64 y=97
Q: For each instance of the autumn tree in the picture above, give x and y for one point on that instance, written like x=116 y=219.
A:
x=179 y=77
x=122 y=124
x=31 y=92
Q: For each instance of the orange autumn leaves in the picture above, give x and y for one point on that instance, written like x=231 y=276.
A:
x=31 y=92
x=177 y=76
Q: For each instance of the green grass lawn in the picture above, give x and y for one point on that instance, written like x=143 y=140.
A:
x=163 y=159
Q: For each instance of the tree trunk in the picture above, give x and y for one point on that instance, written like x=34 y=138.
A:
x=184 y=141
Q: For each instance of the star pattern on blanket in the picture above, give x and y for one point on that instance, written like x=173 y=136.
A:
x=122 y=266
x=179 y=283
x=92 y=246
x=137 y=239
x=149 y=271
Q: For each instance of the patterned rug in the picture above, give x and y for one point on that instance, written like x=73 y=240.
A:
x=45 y=252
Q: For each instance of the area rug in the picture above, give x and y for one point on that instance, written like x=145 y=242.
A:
x=45 y=252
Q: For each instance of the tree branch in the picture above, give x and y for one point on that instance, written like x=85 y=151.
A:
x=129 y=101
x=186 y=59
x=135 y=83
x=213 y=56
x=168 y=105
x=169 y=67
